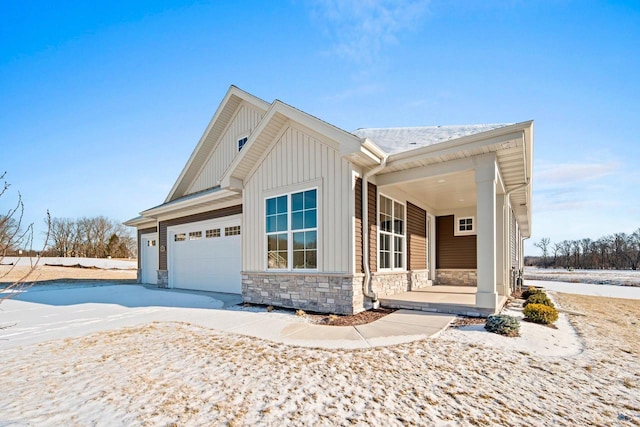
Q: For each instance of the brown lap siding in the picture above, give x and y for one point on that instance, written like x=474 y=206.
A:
x=219 y=213
x=140 y=233
x=453 y=251
x=373 y=227
x=416 y=237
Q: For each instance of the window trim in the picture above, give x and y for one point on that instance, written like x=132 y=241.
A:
x=240 y=138
x=456 y=225
x=404 y=236
x=289 y=231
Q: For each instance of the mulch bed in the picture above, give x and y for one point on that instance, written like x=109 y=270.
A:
x=350 y=320
x=459 y=322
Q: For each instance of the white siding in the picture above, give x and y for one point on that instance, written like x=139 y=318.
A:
x=243 y=123
x=295 y=159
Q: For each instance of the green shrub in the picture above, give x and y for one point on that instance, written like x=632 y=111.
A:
x=540 y=313
x=531 y=291
x=540 y=298
x=503 y=324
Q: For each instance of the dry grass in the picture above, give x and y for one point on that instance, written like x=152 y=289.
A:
x=45 y=273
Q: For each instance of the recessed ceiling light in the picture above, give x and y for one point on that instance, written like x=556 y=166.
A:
x=441 y=180
x=461 y=200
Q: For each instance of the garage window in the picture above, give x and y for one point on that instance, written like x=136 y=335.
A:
x=151 y=242
x=180 y=237
x=232 y=231
x=212 y=233
x=292 y=231
x=195 y=235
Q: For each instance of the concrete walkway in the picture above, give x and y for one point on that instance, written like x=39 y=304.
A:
x=57 y=312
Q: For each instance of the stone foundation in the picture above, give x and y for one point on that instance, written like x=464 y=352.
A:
x=324 y=293
x=139 y=276
x=163 y=279
x=456 y=277
x=391 y=283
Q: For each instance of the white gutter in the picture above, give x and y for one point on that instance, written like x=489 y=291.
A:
x=366 y=283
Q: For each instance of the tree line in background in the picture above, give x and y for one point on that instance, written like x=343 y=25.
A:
x=619 y=251
x=95 y=237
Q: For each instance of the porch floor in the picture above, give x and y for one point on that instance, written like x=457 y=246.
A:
x=440 y=299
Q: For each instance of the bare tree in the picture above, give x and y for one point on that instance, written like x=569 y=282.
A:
x=13 y=237
x=543 y=245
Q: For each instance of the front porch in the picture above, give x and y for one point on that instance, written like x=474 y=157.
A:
x=442 y=299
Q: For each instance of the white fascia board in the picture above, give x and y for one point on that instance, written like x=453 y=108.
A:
x=176 y=206
x=139 y=221
x=233 y=91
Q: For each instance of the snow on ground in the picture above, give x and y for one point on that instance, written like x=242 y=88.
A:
x=610 y=291
x=182 y=373
x=597 y=277
x=120 y=264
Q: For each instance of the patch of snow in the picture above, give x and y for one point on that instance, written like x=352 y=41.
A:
x=119 y=264
x=611 y=291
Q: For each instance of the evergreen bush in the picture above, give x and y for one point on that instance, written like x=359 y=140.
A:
x=540 y=313
x=540 y=298
x=503 y=324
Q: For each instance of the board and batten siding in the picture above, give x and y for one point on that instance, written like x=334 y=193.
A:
x=245 y=120
x=297 y=158
x=454 y=252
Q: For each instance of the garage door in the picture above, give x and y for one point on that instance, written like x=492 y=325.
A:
x=149 y=258
x=206 y=255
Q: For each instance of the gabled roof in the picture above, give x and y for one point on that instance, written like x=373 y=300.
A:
x=264 y=135
x=397 y=140
x=211 y=137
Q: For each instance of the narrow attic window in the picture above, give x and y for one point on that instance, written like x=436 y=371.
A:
x=241 y=142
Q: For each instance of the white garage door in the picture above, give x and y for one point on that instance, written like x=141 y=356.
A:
x=206 y=255
x=149 y=258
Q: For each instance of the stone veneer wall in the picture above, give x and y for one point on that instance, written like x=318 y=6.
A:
x=163 y=279
x=391 y=283
x=325 y=293
x=456 y=277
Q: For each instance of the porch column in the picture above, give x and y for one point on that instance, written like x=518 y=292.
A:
x=501 y=279
x=486 y=169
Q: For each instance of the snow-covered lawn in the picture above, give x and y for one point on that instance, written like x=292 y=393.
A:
x=129 y=371
x=121 y=264
x=597 y=277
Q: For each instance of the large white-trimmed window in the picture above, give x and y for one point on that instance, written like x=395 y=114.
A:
x=391 y=232
x=292 y=231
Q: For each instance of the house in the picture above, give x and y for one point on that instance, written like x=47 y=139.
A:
x=291 y=211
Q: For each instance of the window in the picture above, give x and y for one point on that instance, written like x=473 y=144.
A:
x=212 y=233
x=292 y=231
x=151 y=242
x=391 y=234
x=180 y=237
x=195 y=235
x=232 y=231
x=241 y=142
x=465 y=225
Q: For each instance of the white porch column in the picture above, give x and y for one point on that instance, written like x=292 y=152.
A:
x=501 y=280
x=486 y=294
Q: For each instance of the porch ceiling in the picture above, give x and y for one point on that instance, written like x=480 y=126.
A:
x=451 y=191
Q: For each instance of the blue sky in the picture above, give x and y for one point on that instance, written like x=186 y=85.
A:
x=101 y=103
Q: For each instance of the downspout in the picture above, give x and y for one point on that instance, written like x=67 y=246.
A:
x=516 y=285
x=366 y=284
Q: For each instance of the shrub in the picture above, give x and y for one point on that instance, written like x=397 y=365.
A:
x=540 y=313
x=503 y=324
x=540 y=298
x=531 y=291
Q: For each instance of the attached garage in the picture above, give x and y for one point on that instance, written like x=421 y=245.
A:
x=149 y=258
x=206 y=255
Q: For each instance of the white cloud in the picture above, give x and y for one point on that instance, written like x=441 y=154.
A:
x=563 y=174
x=361 y=29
